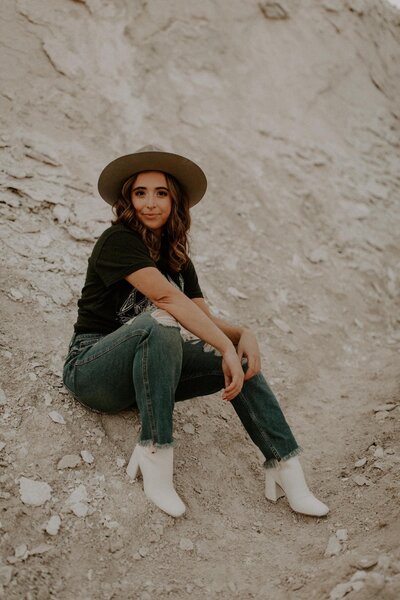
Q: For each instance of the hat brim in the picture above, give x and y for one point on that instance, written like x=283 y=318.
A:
x=189 y=175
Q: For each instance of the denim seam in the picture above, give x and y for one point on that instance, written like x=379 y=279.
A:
x=137 y=332
x=149 y=405
x=261 y=432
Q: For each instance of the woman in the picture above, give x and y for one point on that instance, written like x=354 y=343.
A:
x=129 y=349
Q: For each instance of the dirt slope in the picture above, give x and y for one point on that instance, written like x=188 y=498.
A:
x=292 y=109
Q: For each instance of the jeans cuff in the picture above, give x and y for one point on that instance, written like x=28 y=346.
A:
x=156 y=444
x=272 y=463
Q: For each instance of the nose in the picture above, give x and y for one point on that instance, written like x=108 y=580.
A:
x=150 y=199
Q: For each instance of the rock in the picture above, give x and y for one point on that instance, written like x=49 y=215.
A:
x=56 y=417
x=87 y=456
x=40 y=549
x=143 y=551
x=188 y=428
x=116 y=544
x=360 y=463
x=61 y=213
x=2 y=445
x=21 y=552
x=77 y=502
x=340 y=591
x=80 y=509
x=47 y=399
x=34 y=493
x=120 y=462
x=379 y=452
x=357 y=585
x=358 y=576
x=3 y=399
x=318 y=255
x=53 y=525
x=69 y=461
x=366 y=562
x=273 y=10
x=79 y=234
x=334 y=547
x=341 y=535
x=186 y=544
x=237 y=293
x=282 y=325
x=384 y=562
x=361 y=480
x=385 y=407
x=5 y=575
x=15 y=294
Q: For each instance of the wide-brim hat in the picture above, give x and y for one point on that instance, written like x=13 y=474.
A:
x=150 y=158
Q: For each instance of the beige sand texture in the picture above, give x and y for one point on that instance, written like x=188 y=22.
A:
x=292 y=108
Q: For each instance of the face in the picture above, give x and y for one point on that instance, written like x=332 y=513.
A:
x=152 y=200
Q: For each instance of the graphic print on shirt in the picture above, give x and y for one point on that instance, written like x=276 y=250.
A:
x=136 y=302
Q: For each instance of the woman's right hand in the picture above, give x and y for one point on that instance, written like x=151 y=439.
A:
x=233 y=373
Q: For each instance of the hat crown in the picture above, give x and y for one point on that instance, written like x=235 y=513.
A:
x=149 y=148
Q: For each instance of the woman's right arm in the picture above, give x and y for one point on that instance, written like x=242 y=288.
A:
x=150 y=282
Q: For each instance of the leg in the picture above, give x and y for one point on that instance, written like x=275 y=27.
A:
x=256 y=405
x=129 y=368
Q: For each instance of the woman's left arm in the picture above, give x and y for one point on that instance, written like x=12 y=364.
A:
x=243 y=338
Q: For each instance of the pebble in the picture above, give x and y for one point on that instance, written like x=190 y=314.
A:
x=2 y=445
x=360 y=463
x=237 y=293
x=340 y=591
x=53 y=525
x=384 y=562
x=379 y=452
x=3 y=399
x=188 y=428
x=282 y=325
x=143 y=551
x=34 y=493
x=334 y=547
x=366 y=562
x=15 y=294
x=318 y=255
x=40 y=549
x=341 y=535
x=87 y=456
x=69 y=461
x=56 y=417
x=77 y=501
x=361 y=480
x=186 y=544
x=385 y=407
x=47 y=399
x=5 y=575
x=120 y=462
x=116 y=544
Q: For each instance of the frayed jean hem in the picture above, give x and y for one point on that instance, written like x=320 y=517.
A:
x=156 y=444
x=272 y=463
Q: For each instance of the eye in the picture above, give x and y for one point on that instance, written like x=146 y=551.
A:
x=162 y=193
x=139 y=193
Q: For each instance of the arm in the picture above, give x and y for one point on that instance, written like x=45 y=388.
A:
x=164 y=295
x=241 y=337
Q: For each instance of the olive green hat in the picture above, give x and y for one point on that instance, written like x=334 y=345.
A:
x=151 y=158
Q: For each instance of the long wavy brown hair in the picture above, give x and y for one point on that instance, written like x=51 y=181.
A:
x=173 y=245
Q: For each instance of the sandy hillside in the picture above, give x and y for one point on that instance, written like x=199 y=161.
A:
x=292 y=108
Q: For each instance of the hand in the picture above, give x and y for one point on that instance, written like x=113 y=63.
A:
x=233 y=373
x=248 y=347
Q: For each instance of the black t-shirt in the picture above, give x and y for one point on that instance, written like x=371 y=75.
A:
x=107 y=299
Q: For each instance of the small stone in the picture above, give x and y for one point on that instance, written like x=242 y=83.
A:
x=69 y=461
x=188 y=428
x=21 y=552
x=379 y=452
x=282 y=325
x=56 y=417
x=80 y=509
x=136 y=556
x=357 y=585
x=15 y=294
x=366 y=562
x=2 y=445
x=318 y=255
x=87 y=456
x=360 y=463
x=53 y=525
x=375 y=580
x=361 y=480
x=5 y=575
x=384 y=562
x=334 y=547
x=40 y=549
x=237 y=293
x=34 y=493
x=120 y=462
x=116 y=544
x=186 y=544
x=32 y=376
x=341 y=535
x=143 y=551
x=385 y=407
x=379 y=465
x=3 y=399
x=340 y=591
x=358 y=576
x=47 y=399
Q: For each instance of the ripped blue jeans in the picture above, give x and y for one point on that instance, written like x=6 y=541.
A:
x=146 y=364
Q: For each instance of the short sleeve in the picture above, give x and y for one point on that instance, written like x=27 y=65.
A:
x=121 y=253
x=190 y=281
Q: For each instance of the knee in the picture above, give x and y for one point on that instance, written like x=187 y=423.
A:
x=164 y=318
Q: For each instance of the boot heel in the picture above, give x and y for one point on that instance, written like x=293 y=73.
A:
x=132 y=469
x=273 y=490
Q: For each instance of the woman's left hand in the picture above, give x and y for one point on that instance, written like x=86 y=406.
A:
x=248 y=347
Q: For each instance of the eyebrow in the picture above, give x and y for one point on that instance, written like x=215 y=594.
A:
x=142 y=187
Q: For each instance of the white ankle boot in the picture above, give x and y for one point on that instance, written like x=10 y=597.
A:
x=156 y=465
x=288 y=479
